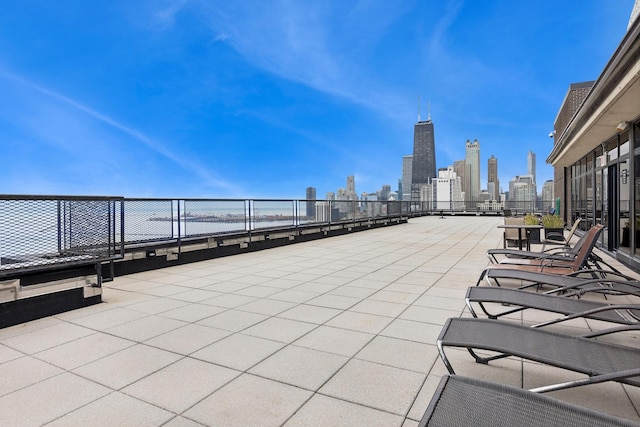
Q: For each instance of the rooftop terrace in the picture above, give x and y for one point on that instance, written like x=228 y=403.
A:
x=337 y=331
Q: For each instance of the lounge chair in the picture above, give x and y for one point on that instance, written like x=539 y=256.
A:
x=555 y=266
x=576 y=353
x=570 y=308
x=564 y=252
x=538 y=279
x=461 y=401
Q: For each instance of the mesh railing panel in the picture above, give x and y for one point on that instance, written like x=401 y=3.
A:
x=211 y=217
x=39 y=232
x=149 y=220
x=273 y=214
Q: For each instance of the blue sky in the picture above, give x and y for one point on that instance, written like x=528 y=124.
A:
x=260 y=99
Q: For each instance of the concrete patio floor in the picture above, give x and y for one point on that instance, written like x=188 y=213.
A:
x=339 y=331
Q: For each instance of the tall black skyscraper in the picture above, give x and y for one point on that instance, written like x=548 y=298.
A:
x=423 y=169
x=311 y=204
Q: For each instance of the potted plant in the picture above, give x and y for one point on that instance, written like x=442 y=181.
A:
x=534 y=233
x=553 y=227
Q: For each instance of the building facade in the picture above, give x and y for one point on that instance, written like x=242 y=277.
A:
x=407 y=163
x=423 y=168
x=493 y=183
x=472 y=172
x=596 y=152
x=311 y=204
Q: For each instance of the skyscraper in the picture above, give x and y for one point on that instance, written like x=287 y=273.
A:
x=311 y=204
x=351 y=188
x=493 y=184
x=531 y=165
x=460 y=169
x=407 y=163
x=423 y=168
x=472 y=163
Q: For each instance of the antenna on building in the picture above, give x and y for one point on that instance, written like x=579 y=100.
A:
x=418 y=107
x=429 y=110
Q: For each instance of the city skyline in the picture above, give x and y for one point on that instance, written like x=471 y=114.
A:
x=233 y=100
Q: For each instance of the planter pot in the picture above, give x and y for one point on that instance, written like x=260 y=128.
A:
x=554 y=234
x=534 y=235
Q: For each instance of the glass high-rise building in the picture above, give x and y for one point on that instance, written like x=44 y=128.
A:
x=423 y=167
x=407 y=163
x=531 y=165
x=472 y=163
x=493 y=184
x=311 y=204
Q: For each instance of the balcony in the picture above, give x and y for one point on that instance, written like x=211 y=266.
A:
x=337 y=331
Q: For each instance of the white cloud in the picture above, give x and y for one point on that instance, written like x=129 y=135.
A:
x=47 y=127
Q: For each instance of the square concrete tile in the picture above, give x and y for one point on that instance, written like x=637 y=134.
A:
x=238 y=351
x=84 y=350
x=300 y=367
x=233 y=320
x=413 y=331
x=156 y=305
x=277 y=329
x=361 y=381
x=182 y=422
x=57 y=396
x=294 y=295
x=310 y=313
x=109 y=319
x=410 y=355
x=228 y=300
x=362 y=322
x=143 y=329
x=327 y=411
x=334 y=301
x=268 y=307
x=394 y=297
x=44 y=338
x=195 y=295
x=115 y=409
x=193 y=312
x=335 y=340
x=7 y=354
x=380 y=308
x=22 y=372
x=187 y=339
x=188 y=380
x=258 y=291
x=250 y=401
x=126 y=366
x=429 y=314
x=352 y=291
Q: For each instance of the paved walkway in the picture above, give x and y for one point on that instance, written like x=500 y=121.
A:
x=339 y=331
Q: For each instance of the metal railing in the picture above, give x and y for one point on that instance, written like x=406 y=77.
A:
x=45 y=231
x=53 y=231
x=155 y=220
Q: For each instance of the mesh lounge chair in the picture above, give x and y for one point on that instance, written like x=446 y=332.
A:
x=537 y=279
x=564 y=252
x=554 y=266
x=570 y=308
x=461 y=401
x=575 y=353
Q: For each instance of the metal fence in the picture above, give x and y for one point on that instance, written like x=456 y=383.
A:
x=41 y=232
x=154 y=220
